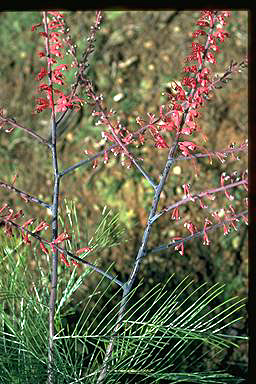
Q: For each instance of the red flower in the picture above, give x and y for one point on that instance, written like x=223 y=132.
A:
x=63 y=103
x=51 y=60
x=57 y=77
x=202 y=205
x=54 y=35
x=192 y=69
x=202 y=23
x=45 y=87
x=179 y=247
x=160 y=142
x=41 y=74
x=206 y=240
x=234 y=225
x=105 y=157
x=55 y=24
x=186 y=188
x=167 y=126
x=18 y=214
x=128 y=138
x=10 y=216
x=210 y=58
x=107 y=136
x=216 y=216
x=199 y=58
x=214 y=47
x=61 y=67
x=175 y=214
x=43 y=34
x=26 y=239
x=35 y=26
x=208 y=15
x=82 y=250
x=42 y=104
x=41 y=226
x=196 y=47
x=63 y=258
x=245 y=219
x=56 y=14
x=176 y=117
x=224 y=177
x=141 y=138
x=221 y=34
x=140 y=121
x=55 y=49
x=41 y=54
x=191 y=227
x=198 y=32
x=185 y=146
x=189 y=128
x=189 y=82
x=28 y=222
x=63 y=236
x=226 y=229
x=43 y=248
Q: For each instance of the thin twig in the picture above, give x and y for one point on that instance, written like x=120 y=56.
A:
x=25 y=129
x=164 y=247
x=223 y=152
x=197 y=196
x=24 y=195
x=101 y=153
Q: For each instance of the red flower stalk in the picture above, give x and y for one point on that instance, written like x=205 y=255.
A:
x=58 y=41
x=191 y=94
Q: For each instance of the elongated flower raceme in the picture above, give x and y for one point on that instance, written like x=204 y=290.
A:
x=59 y=44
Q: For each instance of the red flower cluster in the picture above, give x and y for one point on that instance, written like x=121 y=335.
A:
x=55 y=35
x=203 y=54
x=189 y=95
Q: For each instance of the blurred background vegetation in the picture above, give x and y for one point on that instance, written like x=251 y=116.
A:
x=137 y=55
